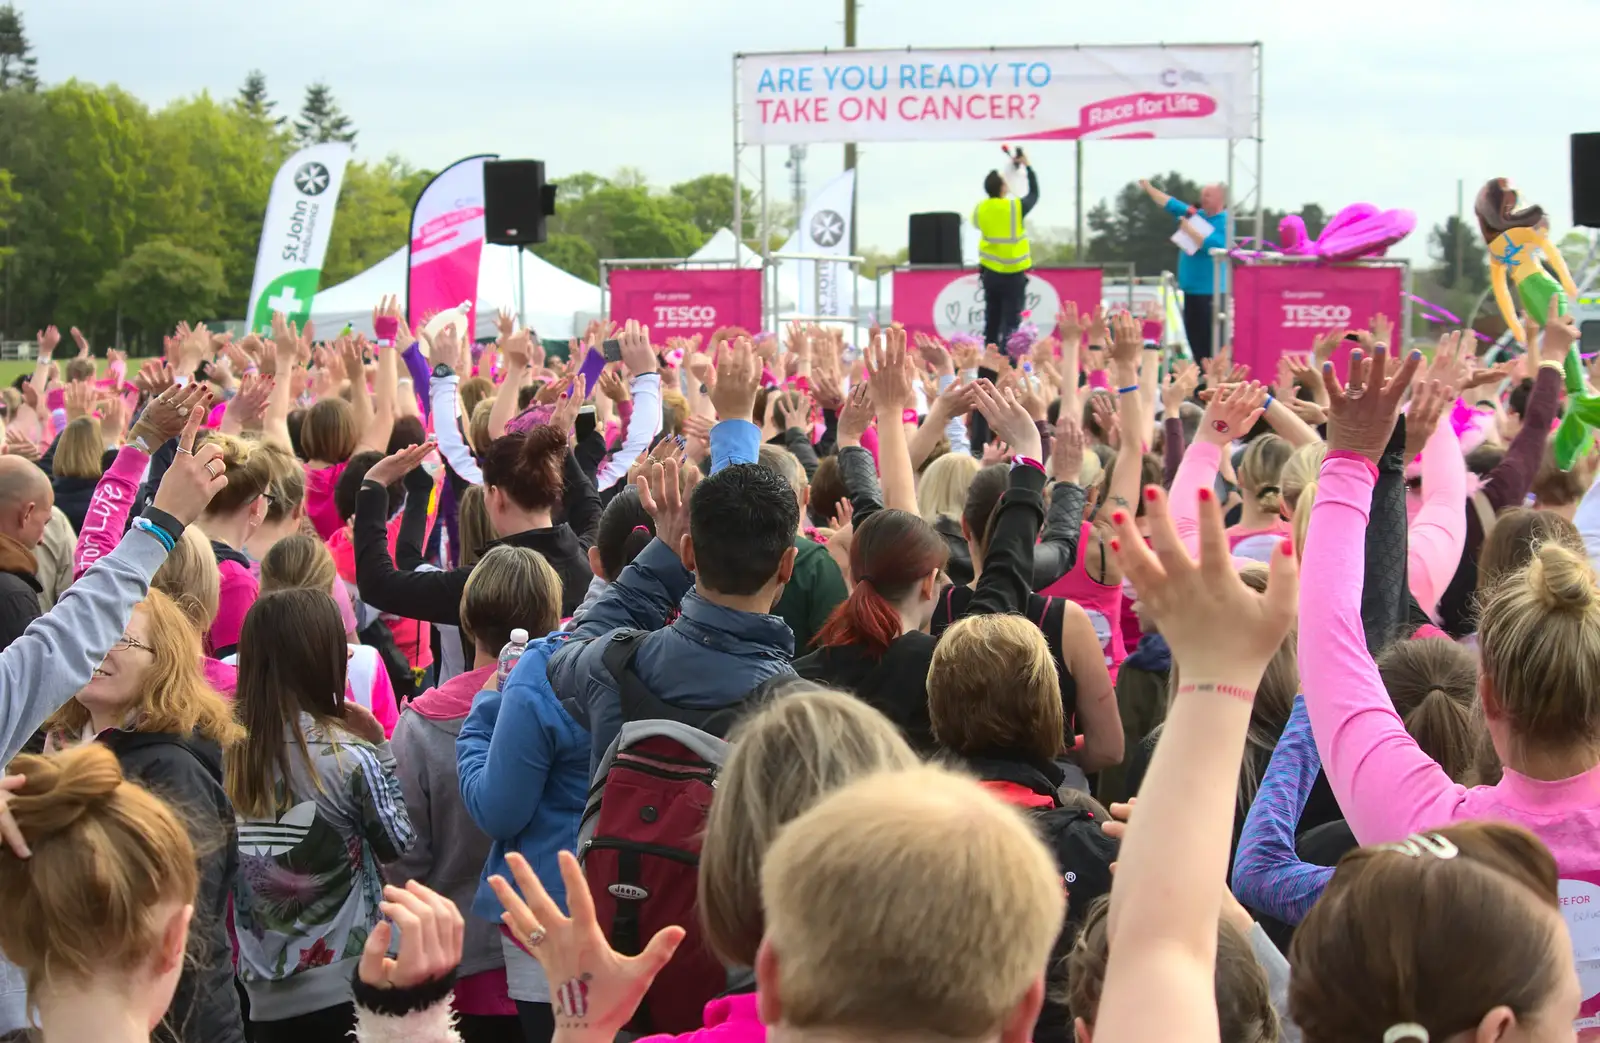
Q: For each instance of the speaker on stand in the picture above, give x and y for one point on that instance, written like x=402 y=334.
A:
x=935 y=239
x=1586 y=180
x=516 y=201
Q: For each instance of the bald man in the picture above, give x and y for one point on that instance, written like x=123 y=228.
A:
x=25 y=502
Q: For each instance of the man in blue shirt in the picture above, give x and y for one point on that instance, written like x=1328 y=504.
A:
x=1196 y=271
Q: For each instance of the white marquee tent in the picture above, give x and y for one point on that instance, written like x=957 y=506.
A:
x=553 y=300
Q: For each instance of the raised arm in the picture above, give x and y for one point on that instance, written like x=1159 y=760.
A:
x=380 y=423
x=517 y=353
x=1439 y=531
x=1132 y=424
x=1006 y=579
x=1160 y=198
x=893 y=381
x=445 y=402
x=280 y=358
x=1057 y=550
x=645 y=386
x=1267 y=873
x=1231 y=412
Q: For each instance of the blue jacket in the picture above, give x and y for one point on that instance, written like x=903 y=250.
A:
x=710 y=657
x=524 y=769
x=1197 y=271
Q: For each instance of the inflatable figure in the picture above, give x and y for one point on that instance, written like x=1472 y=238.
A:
x=1516 y=239
x=1359 y=230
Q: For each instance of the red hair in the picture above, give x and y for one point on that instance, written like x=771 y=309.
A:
x=892 y=552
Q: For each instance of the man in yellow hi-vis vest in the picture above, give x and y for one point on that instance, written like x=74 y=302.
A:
x=1003 y=252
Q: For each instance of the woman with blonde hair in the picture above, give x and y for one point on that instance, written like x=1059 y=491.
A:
x=941 y=497
x=784 y=758
x=230 y=519
x=189 y=577
x=1261 y=522
x=149 y=703
x=74 y=467
x=104 y=891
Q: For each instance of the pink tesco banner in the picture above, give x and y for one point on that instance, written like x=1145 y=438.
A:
x=1284 y=308
x=676 y=302
x=944 y=301
x=447 y=235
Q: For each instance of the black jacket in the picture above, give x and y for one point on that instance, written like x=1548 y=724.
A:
x=959 y=565
x=73 y=496
x=19 y=592
x=186 y=771
x=1057 y=550
x=895 y=683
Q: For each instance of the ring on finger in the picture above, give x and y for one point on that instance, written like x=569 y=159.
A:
x=533 y=938
x=185 y=452
x=210 y=470
x=183 y=410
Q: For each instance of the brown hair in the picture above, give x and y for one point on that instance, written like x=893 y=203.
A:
x=1496 y=210
x=1539 y=637
x=79 y=449
x=784 y=757
x=106 y=852
x=1244 y=1001
x=891 y=553
x=478 y=426
x=827 y=491
x=80 y=369
x=1433 y=683
x=189 y=577
x=298 y=562
x=293 y=659
x=473 y=525
x=992 y=689
x=472 y=391
x=1402 y=934
x=1509 y=545
x=983 y=499
x=510 y=588
x=674 y=407
x=939 y=863
x=1554 y=487
x=328 y=433
x=1261 y=471
x=528 y=466
x=176 y=699
x=286 y=484
x=249 y=473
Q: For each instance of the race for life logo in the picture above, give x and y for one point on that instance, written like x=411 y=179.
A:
x=827 y=228
x=1315 y=316
x=959 y=308
x=312 y=179
x=680 y=316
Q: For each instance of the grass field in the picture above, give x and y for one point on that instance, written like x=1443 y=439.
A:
x=11 y=369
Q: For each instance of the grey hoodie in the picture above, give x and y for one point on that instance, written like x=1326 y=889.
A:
x=450 y=849
x=53 y=659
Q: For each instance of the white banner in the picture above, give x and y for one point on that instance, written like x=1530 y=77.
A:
x=294 y=236
x=825 y=229
x=1061 y=93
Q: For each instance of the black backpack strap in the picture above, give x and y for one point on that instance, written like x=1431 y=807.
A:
x=641 y=704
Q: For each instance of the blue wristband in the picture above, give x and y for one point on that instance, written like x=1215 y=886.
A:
x=1268 y=403
x=146 y=525
x=1126 y=390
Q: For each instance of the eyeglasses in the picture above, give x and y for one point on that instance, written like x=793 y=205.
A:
x=126 y=642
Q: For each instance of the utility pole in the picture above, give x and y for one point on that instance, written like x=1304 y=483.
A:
x=850 y=146
x=1461 y=230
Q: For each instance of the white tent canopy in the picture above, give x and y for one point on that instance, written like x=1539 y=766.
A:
x=552 y=298
x=720 y=247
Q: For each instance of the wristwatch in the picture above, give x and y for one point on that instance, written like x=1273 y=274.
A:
x=441 y=371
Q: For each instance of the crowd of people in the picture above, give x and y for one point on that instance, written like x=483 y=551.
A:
x=772 y=687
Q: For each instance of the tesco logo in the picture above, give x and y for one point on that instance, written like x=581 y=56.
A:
x=1315 y=316
x=685 y=315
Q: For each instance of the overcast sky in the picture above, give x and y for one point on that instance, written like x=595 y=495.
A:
x=1386 y=101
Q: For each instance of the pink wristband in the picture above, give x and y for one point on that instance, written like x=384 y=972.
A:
x=908 y=416
x=1351 y=454
x=1152 y=330
x=1026 y=461
x=1099 y=381
x=385 y=327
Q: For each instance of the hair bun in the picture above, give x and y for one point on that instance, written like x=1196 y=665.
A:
x=62 y=787
x=1562 y=580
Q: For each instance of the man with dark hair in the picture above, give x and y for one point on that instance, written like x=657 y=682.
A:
x=1003 y=260
x=720 y=560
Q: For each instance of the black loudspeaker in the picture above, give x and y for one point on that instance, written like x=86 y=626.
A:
x=516 y=200
x=935 y=238
x=1586 y=180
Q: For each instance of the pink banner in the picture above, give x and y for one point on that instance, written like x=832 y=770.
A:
x=676 y=302
x=447 y=233
x=1284 y=308
x=947 y=301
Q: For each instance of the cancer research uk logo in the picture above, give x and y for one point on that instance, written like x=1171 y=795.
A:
x=312 y=179
x=827 y=228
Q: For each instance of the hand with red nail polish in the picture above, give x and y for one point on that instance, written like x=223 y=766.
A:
x=1362 y=413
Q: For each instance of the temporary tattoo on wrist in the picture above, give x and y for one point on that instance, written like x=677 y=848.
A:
x=571 y=1000
x=1238 y=692
x=1221 y=426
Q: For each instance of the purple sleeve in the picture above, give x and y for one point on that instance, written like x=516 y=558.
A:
x=1173 y=446
x=421 y=375
x=1508 y=484
x=1267 y=874
x=1386 y=786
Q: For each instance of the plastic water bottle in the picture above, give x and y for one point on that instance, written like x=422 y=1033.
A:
x=510 y=654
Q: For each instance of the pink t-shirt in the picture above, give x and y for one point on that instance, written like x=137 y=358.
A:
x=1101 y=601
x=1258 y=544
x=320 y=483
x=240 y=588
x=728 y=1019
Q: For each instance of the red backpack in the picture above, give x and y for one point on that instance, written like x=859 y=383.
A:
x=639 y=839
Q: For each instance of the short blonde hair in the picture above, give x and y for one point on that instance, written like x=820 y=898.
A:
x=787 y=755
x=79 y=450
x=942 y=492
x=298 y=562
x=286 y=486
x=478 y=436
x=474 y=527
x=190 y=578
x=510 y=588
x=913 y=902
x=992 y=687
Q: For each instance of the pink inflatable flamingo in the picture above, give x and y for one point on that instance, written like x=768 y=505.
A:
x=1359 y=230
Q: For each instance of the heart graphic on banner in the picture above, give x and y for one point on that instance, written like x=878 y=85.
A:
x=1033 y=301
x=952 y=313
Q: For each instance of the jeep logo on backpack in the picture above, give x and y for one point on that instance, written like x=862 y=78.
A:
x=629 y=892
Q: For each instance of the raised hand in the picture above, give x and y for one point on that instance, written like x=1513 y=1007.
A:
x=1429 y=400
x=446 y=350
x=1221 y=632
x=1098 y=329
x=79 y=399
x=935 y=355
x=1362 y=415
x=249 y=403
x=613 y=386
x=113 y=416
x=1069 y=324
x=637 y=353
x=566 y=411
x=738 y=375
x=856 y=416
x=552 y=390
x=195 y=475
x=1231 y=413
x=891 y=374
x=1381 y=328
x=79 y=339
x=505 y=323
x=1127 y=340
x=396 y=466
x=1008 y=419
x=1105 y=407
x=825 y=390
x=388 y=323
x=47 y=340
x=1305 y=374
x=666 y=499
x=1066 y=452
x=1181 y=382
x=431 y=932
x=19 y=444
x=592 y=986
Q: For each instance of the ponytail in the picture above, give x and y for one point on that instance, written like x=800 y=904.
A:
x=865 y=618
x=528 y=466
x=1445 y=730
x=892 y=552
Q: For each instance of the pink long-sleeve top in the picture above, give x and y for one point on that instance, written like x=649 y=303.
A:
x=1439 y=531
x=1387 y=787
x=107 y=517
